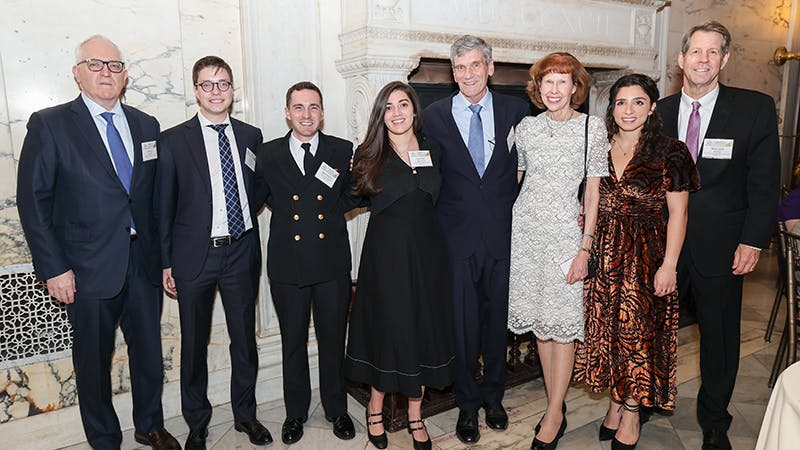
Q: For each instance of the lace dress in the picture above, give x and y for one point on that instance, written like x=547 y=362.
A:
x=544 y=229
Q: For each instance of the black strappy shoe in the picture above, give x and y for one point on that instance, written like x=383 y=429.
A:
x=419 y=445
x=617 y=445
x=378 y=440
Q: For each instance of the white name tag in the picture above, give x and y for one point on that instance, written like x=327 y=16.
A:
x=327 y=174
x=717 y=148
x=510 y=139
x=250 y=159
x=149 y=151
x=420 y=158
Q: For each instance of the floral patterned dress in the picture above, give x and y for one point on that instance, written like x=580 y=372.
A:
x=631 y=335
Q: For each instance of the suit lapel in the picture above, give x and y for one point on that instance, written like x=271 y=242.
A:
x=323 y=153
x=286 y=163
x=500 y=132
x=247 y=174
x=717 y=127
x=196 y=148
x=85 y=123
x=136 y=136
x=670 y=115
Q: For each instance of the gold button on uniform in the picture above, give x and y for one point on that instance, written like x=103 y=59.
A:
x=295 y=197
x=296 y=217
x=319 y=197
x=320 y=217
x=296 y=237
x=322 y=235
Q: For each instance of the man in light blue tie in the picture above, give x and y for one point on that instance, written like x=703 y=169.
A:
x=210 y=242
x=85 y=197
x=475 y=128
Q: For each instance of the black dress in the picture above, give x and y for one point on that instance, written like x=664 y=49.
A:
x=401 y=332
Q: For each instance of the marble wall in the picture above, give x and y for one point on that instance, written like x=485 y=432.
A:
x=757 y=27
x=161 y=39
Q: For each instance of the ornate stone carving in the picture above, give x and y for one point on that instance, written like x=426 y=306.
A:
x=644 y=27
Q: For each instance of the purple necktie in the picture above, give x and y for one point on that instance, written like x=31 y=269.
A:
x=693 y=131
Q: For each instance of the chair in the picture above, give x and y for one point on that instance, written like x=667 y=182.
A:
x=780 y=292
x=787 y=347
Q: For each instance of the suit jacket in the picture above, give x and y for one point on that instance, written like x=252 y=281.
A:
x=308 y=241
x=471 y=208
x=185 y=193
x=74 y=210
x=739 y=197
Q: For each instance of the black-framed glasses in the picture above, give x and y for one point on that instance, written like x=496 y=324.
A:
x=208 y=86
x=96 y=65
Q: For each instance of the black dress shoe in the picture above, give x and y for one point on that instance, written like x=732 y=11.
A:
x=292 y=430
x=343 y=427
x=416 y=425
x=467 y=427
x=539 y=425
x=196 y=440
x=496 y=417
x=617 y=445
x=539 y=445
x=159 y=440
x=716 y=439
x=258 y=434
x=378 y=440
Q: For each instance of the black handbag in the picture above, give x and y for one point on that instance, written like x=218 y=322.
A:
x=592 y=263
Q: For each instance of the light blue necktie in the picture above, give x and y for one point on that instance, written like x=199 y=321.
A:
x=232 y=204
x=475 y=144
x=120 y=156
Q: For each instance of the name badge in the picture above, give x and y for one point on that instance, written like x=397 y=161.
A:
x=420 y=158
x=327 y=174
x=510 y=139
x=717 y=148
x=250 y=159
x=149 y=151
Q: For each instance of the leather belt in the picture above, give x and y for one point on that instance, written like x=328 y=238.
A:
x=221 y=241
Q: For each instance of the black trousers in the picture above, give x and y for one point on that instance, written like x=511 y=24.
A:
x=480 y=324
x=293 y=304
x=137 y=309
x=233 y=270
x=718 y=307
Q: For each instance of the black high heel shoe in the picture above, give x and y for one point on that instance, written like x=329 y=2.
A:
x=617 y=445
x=606 y=434
x=378 y=440
x=419 y=445
x=539 y=425
x=539 y=445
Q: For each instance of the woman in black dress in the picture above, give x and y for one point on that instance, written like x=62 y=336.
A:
x=400 y=337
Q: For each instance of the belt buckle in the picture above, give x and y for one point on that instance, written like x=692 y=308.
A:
x=221 y=241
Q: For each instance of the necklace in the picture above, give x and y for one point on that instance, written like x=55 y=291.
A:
x=555 y=128
x=625 y=153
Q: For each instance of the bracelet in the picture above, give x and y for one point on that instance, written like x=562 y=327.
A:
x=589 y=235
x=587 y=250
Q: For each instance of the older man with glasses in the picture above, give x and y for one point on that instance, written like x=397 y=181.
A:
x=85 y=197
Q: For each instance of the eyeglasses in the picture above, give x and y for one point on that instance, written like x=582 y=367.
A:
x=208 y=86
x=96 y=65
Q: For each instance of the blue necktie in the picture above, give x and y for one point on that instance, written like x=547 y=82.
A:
x=475 y=144
x=120 y=156
x=232 y=204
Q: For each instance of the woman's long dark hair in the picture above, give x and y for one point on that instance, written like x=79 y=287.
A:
x=374 y=151
x=653 y=128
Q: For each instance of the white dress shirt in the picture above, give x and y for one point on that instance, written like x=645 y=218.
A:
x=120 y=122
x=298 y=153
x=463 y=115
x=707 y=103
x=219 y=218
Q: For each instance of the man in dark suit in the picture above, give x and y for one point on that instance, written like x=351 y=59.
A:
x=303 y=177
x=85 y=196
x=209 y=241
x=733 y=135
x=475 y=129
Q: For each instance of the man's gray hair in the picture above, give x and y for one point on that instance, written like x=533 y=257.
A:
x=96 y=37
x=712 y=26
x=466 y=44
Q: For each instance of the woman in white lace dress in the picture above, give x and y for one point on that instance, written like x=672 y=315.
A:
x=549 y=251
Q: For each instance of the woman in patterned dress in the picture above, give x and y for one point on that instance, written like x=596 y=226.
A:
x=545 y=234
x=632 y=303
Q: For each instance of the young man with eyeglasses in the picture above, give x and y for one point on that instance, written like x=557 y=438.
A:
x=85 y=187
x=210 y=241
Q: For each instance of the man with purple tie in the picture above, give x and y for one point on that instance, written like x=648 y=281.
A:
x=733 y=136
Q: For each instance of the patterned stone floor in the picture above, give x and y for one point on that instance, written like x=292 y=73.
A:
x=526 y=403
